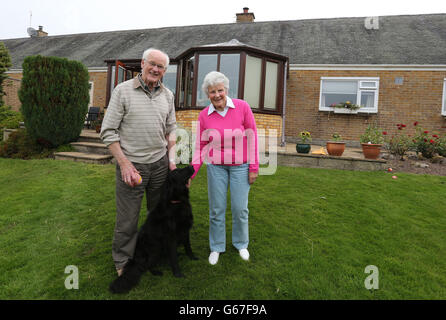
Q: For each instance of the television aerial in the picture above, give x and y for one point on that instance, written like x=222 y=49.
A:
x=32 y=32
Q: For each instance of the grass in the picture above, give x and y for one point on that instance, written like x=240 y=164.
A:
x=312 y=233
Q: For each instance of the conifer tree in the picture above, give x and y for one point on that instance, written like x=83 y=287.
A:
x=54 y=96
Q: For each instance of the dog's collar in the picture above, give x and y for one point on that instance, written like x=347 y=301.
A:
x=175 y=201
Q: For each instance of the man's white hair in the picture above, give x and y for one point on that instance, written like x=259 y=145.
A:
x=146 y=54
x=214 y=78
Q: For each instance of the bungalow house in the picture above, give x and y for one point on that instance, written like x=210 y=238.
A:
x=290 y=72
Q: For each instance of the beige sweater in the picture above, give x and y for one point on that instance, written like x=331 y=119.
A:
x=139 y=121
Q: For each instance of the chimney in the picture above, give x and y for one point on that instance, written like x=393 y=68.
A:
x=41 y=33
x=245 y=16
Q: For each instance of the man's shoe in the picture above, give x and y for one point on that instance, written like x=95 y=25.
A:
x=244 y=254
x=213 y=257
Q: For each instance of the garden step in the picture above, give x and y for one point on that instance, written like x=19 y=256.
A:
x=84 y=157
x=89 y=136
x=91 y=147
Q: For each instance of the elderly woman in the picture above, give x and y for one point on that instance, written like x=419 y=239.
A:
x=227 y=142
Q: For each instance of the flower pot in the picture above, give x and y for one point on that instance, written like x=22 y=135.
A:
x=335 y=148
x=303 y=147
x=345 y=111
x=370 y=150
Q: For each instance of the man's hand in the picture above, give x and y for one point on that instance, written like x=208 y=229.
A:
x=129 y=174
x=252 y=177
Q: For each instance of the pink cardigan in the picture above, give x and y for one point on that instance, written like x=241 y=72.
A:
x=229 y=140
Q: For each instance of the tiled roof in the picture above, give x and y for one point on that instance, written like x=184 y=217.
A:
x=406 y=39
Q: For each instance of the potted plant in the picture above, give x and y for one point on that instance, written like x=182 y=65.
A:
x=345 y=107
x=97 y=124
x=371 y=142
x=335 y=147
x=305 y=146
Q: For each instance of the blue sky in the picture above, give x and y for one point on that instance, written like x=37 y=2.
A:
x=83 y=16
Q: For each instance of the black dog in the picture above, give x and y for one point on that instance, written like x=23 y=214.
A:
x=166 y=227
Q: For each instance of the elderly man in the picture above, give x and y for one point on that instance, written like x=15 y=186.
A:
x=139 y=130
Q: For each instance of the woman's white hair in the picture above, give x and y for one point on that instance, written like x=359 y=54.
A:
x=146 y=54
x=214 y=78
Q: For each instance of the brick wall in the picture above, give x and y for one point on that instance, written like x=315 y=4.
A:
x=12 y=86
x=419 y=98
x=100 y=88
x=263 y=121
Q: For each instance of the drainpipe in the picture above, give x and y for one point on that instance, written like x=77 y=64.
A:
x=282 y=142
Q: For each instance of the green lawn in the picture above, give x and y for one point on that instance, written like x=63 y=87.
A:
x=312 y=234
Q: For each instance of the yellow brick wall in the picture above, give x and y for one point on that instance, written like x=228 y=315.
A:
x=419 y=98
x=263 y=121
x=12 y=86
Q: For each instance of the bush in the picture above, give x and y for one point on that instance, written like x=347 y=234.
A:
x=398 y=144
x=54 y=95
x=425 y=142
x=20 y=145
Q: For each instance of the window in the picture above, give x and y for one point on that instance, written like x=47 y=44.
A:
x=361 y=91
x=272 y=69
x=170 y=78
x=230 y=66
x=443 y=109
x=253 y=81
x=255 y=76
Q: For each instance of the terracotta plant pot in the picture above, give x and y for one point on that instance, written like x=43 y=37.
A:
x=335 y=148
x=370 y=150
x=303 y=147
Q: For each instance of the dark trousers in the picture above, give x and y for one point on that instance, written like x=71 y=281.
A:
x=128 y=206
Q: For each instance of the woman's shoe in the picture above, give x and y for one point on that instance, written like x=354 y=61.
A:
x=244 y=253
x=213 y=257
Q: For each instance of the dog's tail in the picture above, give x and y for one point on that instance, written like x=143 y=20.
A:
x=128 y=279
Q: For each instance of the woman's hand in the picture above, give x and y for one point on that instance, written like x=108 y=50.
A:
x=252 y=177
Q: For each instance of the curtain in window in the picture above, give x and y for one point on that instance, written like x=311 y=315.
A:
x=271 y=85
x=253 y=74
x=206 y=64
x=230 y=66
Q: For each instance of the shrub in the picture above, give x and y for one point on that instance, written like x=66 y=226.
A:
x=54 y=95
x=399 y=143
x=373 y=135
x=425 y=142
x=20 y=145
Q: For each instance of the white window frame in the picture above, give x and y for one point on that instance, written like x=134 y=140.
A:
x=91 y=93
x=361 y=88
x=443 y=101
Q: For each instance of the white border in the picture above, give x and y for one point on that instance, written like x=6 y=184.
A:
x=443 y=104
x=359 y=79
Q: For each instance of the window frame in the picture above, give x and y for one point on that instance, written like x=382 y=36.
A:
x=360 y=88
x=243 y=52
x=443 y=101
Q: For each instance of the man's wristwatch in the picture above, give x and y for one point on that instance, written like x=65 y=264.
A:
x=172 y=160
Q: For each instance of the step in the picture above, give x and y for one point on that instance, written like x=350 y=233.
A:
x=84 y=157
x=89 y=136
x=91 y=147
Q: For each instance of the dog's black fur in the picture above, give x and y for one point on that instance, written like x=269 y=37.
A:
x=166 y=227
